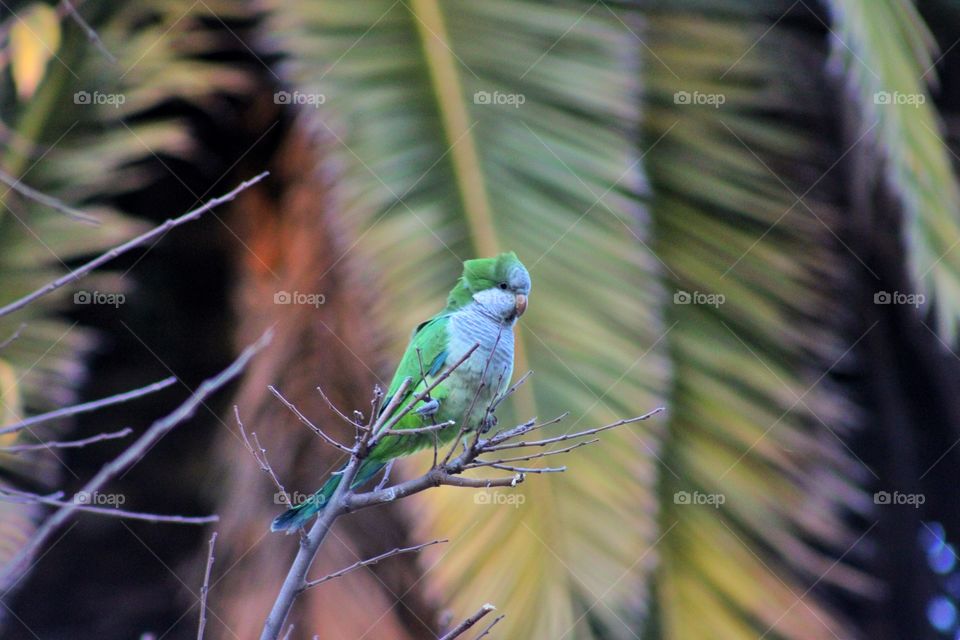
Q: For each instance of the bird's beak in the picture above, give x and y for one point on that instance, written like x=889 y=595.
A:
x=521 y=304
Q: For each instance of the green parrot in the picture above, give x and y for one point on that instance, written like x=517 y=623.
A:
x=481 y=310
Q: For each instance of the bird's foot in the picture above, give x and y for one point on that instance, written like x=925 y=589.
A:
x=429 y=407
x=489 y=422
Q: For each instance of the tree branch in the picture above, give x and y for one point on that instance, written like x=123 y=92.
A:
x=464 y=626
x=106 y=257
x=86 y=407
x=133 y=453
x=371 y=561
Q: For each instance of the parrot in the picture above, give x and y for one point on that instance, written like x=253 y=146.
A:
x=481 y=311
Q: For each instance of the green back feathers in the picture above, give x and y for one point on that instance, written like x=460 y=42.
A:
x=481 y=274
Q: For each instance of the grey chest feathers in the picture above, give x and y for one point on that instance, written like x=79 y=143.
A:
x=469 y=326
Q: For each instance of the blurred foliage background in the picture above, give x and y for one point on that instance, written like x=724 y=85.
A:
x=745 y=212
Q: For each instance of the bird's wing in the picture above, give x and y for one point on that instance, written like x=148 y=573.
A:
x=430 y=338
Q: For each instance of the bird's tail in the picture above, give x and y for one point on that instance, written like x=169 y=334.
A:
x=298 y=516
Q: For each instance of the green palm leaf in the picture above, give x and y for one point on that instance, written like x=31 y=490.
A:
x=743 y=203
x=887 y=55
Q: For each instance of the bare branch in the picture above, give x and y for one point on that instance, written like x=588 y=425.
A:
x=134 y=452
x=260 y=455
x=406 y=431
x=48 y=201
x=465 y=626
x=79 y=503
x=205 y=589
x=86 y=407
x=570 y=436
x=486 y=630
x=509 y=392
x=337 y=411
x=386 y=475
x=532 y=456
x=371 y=561
x=106 y=257
x=13 y=337
x=507 y=467
x=67 y=7
x=449 y=472
x=317 y=430
x=68 y=444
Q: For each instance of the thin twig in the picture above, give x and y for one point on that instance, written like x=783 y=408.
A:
x=486 y=630
x=371 y=561
x=79 y=504
x=386 y=475
x=337 y=411
x=86 y=407
x=317 y=430
x=47 y=201
x=260 y=455
x=406 y=431
x=133 y=453
x=68 y=444
x=570 y=436
x=13 y=337
x=67 y=7
x=205 y=589
x=103 y=258
x=507 y=467
x=532 y=456
x=464 y=626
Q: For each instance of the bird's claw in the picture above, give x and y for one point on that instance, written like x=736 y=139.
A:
x=489 y=422
x=429 y=407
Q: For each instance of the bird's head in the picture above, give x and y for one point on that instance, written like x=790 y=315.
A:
x=500 y=285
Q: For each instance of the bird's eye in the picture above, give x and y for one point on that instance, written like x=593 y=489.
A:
x=502 y=285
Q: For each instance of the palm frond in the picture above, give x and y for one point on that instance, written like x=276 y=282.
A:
x=744 y=207
x=887 y=55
